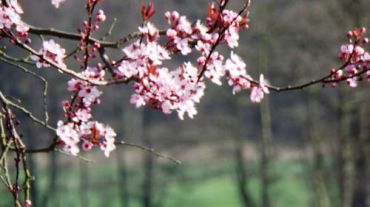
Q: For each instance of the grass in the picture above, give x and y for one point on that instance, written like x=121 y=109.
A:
x=219 y=190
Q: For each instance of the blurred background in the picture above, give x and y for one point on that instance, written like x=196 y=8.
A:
x=300 y=148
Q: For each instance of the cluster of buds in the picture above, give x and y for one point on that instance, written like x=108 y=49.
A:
x=355 y=59
x=89 y=26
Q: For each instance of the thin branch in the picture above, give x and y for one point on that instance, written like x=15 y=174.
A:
x=78 y=156
x=5 y=151
x=28 y=113
x=150 y=150
x=72 y=72
x=77 y=37
x=41 y=78
x=111 y=28
x=52 y=147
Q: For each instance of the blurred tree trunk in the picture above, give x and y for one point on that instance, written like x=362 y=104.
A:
x=345 y=152
x=361 y=196
x=266 y=142
x=34 y=187
x=84 y=181
x=242 y=178
x=348 y=14
x=33 y=167
x=242 y=175
x=122 y=184
x=148 y=164
x=50 y=191
x=319 y=182
x=122 y=172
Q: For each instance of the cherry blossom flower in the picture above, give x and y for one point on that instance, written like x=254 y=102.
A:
x=352 y=82
x=51 y=51
x=258 y=91
x=68 y=133
x=182 y=44
x=256 y=94
x=82 y=115
x=107 y=146
x=87 y=145
x=10 y=18
x=88 y=134
x=150 y=31
x=237 y=74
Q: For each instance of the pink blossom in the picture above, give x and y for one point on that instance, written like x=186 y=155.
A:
x=82 y=115
x=171 y=33
x=128 y=69
x=138 y=100
x=359 y=50
x=10 y=18
x=346 y=49
x=232 y=37
x=184 y=25
x=182 y=44
x=258 y=91
x=107 y=146
x=51 y=51
x=87 y=145
x=237 y=73
x=89 y=95
x=366 y=57
x=256 y=94
x=150 y=31
x=215 y=69
x=69 y=134
x=352 y=82
x=144 y=52
x=263 y=84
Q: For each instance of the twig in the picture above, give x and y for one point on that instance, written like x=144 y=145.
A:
x=41 y=78
x=26 y=112
x=72 y=72
x=78 y=156
x=109 y=33
x=150 y=150
x=77 y=37
x=5 y=151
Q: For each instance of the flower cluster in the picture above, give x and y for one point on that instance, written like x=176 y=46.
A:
x=229 y=22
x=355 y=58
x=169 y=90
x=79 y=129
x=50 y=51
x=181 y=89
x=10 y=19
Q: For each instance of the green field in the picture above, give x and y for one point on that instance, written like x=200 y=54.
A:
x=186 y=186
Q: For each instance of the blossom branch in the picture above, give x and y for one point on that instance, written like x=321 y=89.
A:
x=72 y=72
x=77 y=37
